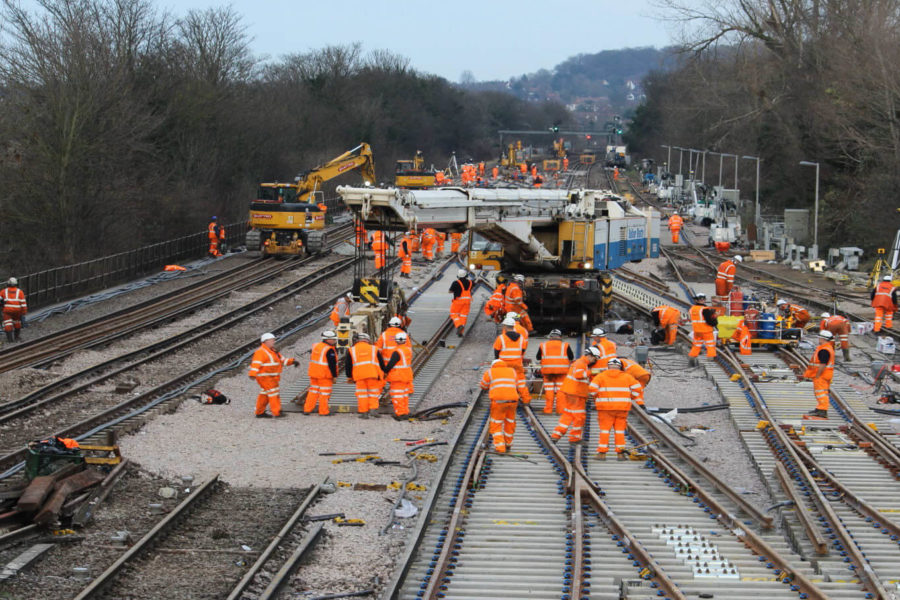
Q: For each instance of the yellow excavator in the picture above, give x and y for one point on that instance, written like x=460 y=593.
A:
x=289 y=218
x=412 y=174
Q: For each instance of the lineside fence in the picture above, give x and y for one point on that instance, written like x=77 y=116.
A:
x=65 y=283
x=71 y=281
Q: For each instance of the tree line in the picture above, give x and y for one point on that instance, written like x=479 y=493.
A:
x=790 y=81
x=123 y=125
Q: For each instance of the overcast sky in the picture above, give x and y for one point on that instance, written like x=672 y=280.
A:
x=494 y=40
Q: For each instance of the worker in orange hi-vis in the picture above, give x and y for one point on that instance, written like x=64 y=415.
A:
x=725 y=276
x=884 y=301
x=637 y=371
x=362 y=237
x=821 y=371
x=341 y=308
x=404 y=253
x=555 y=356
x=440 y=240
x=518 y=328
x=380 y=243
x=606 y=346
x=265 y=367
x=840 y=328
x=415 y=240
x=703 y=322
x=461 y=289
x=667 y=318
x=495 y=307
x=615 y=173
x=212 y=232
x=506 y=387
x=221 y=238
x=523 y=168
x=573 y=394
x=515 y=295
x=566 y=163
x=675 y=224
x=429 y=239
x=323 y=369
x=439 y=178
x=798 y=315
x=743 y=337
x=495 y=172
x=510 y=346
x=455 y=240
x=613 y=392
x=387 y=342
x=399 y=374
x=481 y=168
x=363 y=368
x=14 y=309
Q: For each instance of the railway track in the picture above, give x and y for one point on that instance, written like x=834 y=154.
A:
x=102 y=330
x=840 y=475
x=66 y=387
x=208 y=561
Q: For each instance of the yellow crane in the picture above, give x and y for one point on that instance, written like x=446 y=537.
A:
x=288 y=218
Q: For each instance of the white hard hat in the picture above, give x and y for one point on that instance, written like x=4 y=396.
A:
x=462 y=273
x=266 y=337
x=363 y=336
x=513 y=315
x=400 y=337
x=825 y=315
x=614 y=363
x=13 y=281
x=700 y=296
x=598 y=332
x=826 y=335
x=555 y=333
x=498 y=362
x=738 y=258
x=519 y=277
x=591 y=351
x=395 y=322
x=781 y=302
x=509 y=322
x=885 y=278
x=329 y=335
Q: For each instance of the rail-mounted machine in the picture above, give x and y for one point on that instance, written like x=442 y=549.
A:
x=563 y=241
x=288 y=218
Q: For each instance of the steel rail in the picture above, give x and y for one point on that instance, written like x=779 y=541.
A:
x=281 y=578
x=292 y=521
x=155 y=350
x=127 y=320
x=94 y=589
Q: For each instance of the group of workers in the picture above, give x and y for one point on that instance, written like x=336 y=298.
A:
x=429 y=242
x=612 y=383
x=509 y=297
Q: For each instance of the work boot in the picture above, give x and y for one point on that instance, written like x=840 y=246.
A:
x=280 y=415
x=264 y=416
x=846 y=354
x=9 y=337
x=16 y=333
x=818 y=413
x=621 y=456
x=600 y=456
x=364 y=415
x=459 y=331
x=554 y=440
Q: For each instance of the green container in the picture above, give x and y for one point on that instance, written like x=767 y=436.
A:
x=45 y=463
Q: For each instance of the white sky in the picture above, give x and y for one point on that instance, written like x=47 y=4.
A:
x=494 y=40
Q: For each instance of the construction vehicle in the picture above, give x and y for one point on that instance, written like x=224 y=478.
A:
x=484 y=255
x=289 y=218
x=510 y=159
x=559 y=148
x=412 y=174
x=563 y=241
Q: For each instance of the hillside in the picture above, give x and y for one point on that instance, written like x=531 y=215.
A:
x=594 y=86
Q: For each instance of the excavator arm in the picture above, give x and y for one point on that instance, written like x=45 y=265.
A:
x=358 y=158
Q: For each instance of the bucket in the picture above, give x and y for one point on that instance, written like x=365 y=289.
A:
x=641 y=354
x=885 y=345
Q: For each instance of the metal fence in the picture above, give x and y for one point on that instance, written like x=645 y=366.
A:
x=71 y=281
